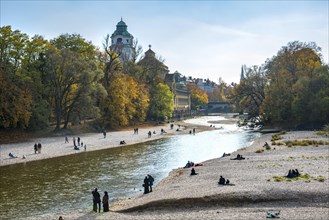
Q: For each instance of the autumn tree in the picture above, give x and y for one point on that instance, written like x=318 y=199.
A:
x=127 y=102
x=297 y=86
x=198 y=96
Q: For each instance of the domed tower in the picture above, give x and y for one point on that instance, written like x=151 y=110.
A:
x=122 y=42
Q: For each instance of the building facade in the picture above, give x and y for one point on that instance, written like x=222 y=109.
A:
x=182 y=96
x=122 y=42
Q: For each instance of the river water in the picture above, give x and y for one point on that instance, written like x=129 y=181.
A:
x=65 y=183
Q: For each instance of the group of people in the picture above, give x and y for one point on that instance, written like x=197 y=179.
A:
x=135 y=130
x=189 y=164
x=148 y=183
x=37 y=148
x=193 y=130
x=222 y=181
x=293 y=173
x=76 y=143
x=97 y=201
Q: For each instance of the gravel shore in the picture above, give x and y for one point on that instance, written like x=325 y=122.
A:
x=258 y=186
x=56 y=146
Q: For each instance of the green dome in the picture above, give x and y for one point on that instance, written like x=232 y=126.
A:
x=121 y=29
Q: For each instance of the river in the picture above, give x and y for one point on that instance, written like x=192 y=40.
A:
x=65 y=183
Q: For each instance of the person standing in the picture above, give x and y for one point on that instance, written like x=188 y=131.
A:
x=151 y=180
x=66 y=140
x=105 y=202
x=96 y=200
x=74 y=144
x=78 y=141
x=104 y=133
x=39 y=148
x=146 y=185
x=35 y=148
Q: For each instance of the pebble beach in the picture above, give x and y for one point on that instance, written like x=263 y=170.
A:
x=258 y=182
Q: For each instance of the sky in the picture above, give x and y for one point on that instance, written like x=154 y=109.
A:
x=202 y=39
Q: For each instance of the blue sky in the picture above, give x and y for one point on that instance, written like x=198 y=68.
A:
x=204 y=39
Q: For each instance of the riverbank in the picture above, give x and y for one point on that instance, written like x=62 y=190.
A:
x=56 y=146
x=259 y=186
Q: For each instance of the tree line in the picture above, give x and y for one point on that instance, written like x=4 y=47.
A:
x=68 y=80
x=290 y=90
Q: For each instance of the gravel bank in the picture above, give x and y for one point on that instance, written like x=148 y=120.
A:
x=255 y=191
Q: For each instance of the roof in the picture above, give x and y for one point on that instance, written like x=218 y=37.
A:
x=121 y=30
x=169 y=77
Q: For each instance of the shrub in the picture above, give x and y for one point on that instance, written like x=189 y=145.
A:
x=259 y=150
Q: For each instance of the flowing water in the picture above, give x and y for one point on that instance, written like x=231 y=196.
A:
x=65 y=183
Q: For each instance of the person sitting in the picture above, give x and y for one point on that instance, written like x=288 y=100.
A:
x=290 y=174
x=225 y=155
x=238 y=157
x=227 y=182
x=221 y=180
x=122 y=142
x=189 y=164
x=295 y=173
x=76 y=148
x=12 y=155
x=267 y=146
x=193 y=172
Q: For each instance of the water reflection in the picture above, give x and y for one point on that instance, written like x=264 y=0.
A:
x=65 y=183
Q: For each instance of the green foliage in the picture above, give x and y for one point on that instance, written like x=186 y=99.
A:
x=161 y=103
x=297 y=93
x=15 y=96
x=249 y=94
x=259 y=150
x=305 y=177
x=306 y=143
x=72 y=78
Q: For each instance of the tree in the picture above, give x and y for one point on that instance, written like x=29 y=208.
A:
x=110 y=60
x=249 y=94
x=126 y=103
x=72 y=78
x=161 y=103
x=198 y=96
x=15 y=95
x=296 y=84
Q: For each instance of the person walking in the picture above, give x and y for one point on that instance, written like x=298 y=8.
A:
x=66 y=140
x=96 y=200
x=105 y=202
